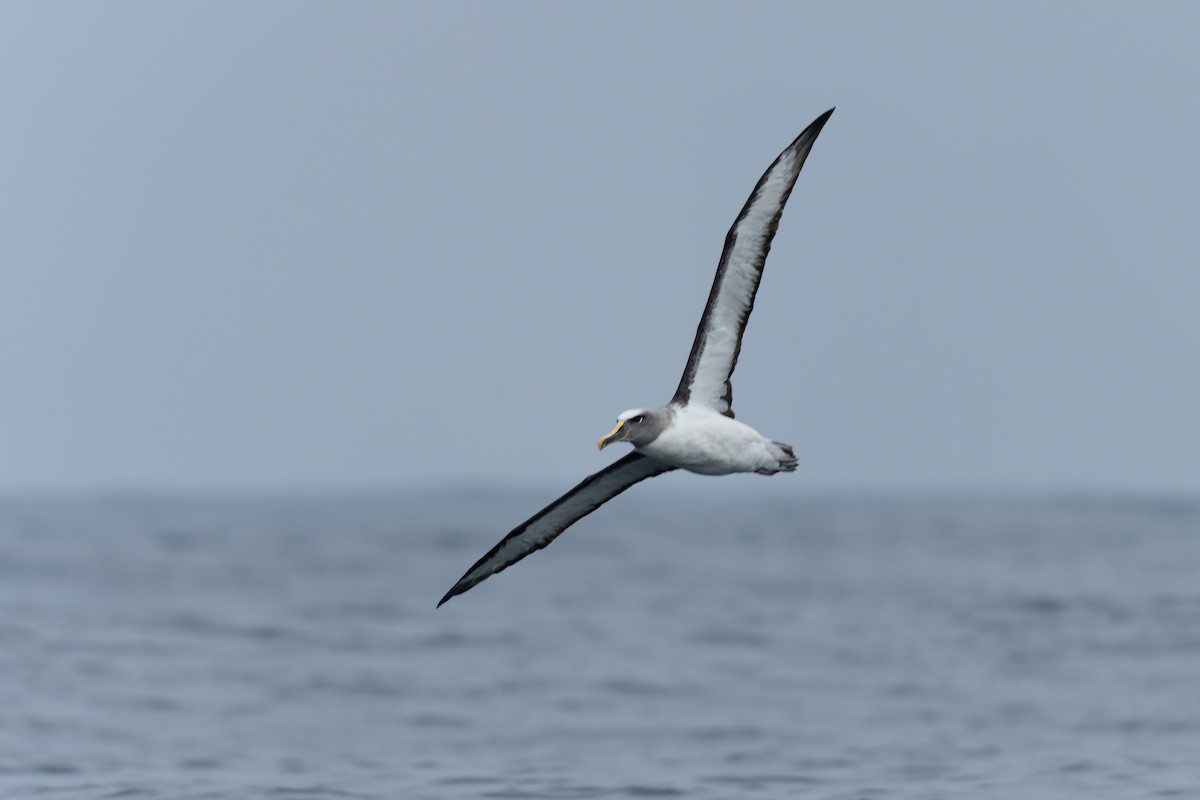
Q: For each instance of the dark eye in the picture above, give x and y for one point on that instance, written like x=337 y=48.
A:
x=637 y=420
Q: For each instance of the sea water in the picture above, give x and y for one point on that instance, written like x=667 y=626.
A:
x=847 y=647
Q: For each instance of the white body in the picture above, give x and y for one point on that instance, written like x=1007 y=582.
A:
x=704 y=441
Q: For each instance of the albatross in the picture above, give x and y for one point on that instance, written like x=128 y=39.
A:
x=696 y=430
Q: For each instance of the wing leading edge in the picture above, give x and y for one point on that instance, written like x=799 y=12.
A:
x=719 y=334
x=543 y=527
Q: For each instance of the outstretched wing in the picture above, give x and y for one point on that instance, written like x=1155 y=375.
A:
x=719 y=335
x=543 y=527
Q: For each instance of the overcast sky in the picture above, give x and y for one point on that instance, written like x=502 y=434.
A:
x=288 y=245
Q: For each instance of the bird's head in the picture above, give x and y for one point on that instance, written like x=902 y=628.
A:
x=638 y=426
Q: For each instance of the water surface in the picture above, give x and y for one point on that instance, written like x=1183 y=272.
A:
x=840 y=647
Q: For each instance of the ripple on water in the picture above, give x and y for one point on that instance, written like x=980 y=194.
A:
x=260 y=651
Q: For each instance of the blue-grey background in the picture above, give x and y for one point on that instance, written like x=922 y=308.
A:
x=301 y=244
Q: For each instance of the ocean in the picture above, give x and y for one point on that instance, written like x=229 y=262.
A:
x=840 y=647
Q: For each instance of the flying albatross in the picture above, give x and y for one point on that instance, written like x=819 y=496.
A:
x=696 y=431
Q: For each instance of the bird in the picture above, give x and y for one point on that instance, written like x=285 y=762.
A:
x=696 y=430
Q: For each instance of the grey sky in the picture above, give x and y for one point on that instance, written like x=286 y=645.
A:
x=371 y=244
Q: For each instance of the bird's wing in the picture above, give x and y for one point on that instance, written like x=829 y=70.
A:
x=719 y=335
x=543 y=527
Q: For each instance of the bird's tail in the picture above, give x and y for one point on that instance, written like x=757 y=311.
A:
x=785 y=458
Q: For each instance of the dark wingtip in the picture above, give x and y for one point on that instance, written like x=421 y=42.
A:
x=819 y=122
x=809 y=134
x=454 y=590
